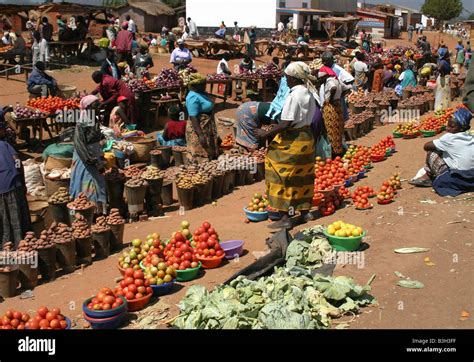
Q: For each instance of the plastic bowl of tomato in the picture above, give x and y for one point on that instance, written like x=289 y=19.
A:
x=188 y=274
x=384 y=202
x=163 y=289
x=211 y=263
x=140 y=303
x=106 y=323
x=104 y=313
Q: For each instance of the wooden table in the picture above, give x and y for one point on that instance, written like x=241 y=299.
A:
x=227 y=84
x=6 y=70
x=59 y=47
x=264 y=82
x=37 y=124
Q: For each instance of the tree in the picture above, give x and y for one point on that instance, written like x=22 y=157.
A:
x=442 y=10
x=471 y=17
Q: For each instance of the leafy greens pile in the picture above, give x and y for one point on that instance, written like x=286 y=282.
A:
x=291 y=298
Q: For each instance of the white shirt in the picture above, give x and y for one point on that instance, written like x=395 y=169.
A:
x=132 y=27
x=193 y=30
x=154 y=42
x=361 y=67
x=299 y=107
x=343 y=75
x=458 y=150
x=325 y=90
x=219 y=68
x=40 y=51
x=281 y=26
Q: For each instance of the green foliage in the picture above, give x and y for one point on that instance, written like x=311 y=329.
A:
x=471 y=17
x=442 y=9
x=174 y=3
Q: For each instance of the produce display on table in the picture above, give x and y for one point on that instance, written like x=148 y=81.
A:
x=168 y=78
x=185 y=74
x=21 y=112
x=137 y=85
x=47 y=319
x=51 y=104
x=290 y=298
x=269 y=70
x=217 y=77
x=13 y=319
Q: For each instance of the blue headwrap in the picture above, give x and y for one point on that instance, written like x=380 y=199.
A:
x=463 y=117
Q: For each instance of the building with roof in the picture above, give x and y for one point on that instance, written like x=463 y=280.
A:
x=379 y=23
x=149 y=16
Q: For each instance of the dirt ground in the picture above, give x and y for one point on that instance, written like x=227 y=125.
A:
x=418 y=218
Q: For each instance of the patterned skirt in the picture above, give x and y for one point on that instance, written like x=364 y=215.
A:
x=15 y=218
x=196 y=153
x=247 y=123
x=289 y=170
x=435 y=165
x=334 y=124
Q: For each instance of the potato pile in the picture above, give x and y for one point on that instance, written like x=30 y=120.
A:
x=100 y=225
x=132 y=171
x=115 y=218
x=211 y=168
x=7 y=247
x=30 y=243
x=59 y=233
x=81 y=227
x=179 y=149
x=80 y=203
x=155 y=152
x=114 y=175
x=152 y=173
x=135 y=182
x=60 y=197
x=173 y=173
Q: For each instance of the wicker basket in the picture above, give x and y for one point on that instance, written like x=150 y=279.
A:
x=66 y=91
x=143 y=146
x=53 y=162
x=53 y=185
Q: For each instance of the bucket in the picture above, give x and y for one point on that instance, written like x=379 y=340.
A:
x=159 y=161
x=260 y=175
x=116 y=237
x=248 y=177
x=228 y=182
x=166 y=152
x=87 y=213
x=115 y=194
x=207 y=193
x=167 y=193
x=143 y=147
x=8 y=283
x=239 y=177
x=84 y=251
x=185 y=197
x=217 y=185
x=101 y=243
x=66 y=256
x=199 y=195
x=135 y=198
x=153 y=197
x=431 y=104
x=60 y=213
x=178 y=158
x=66 y=91
x=28 y=276
x=47 y=263
x=53 y=185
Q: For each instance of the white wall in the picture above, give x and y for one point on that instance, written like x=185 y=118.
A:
x=295 y=3
x=261 y=13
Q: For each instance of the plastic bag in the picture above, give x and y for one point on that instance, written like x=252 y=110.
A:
x=323 y=148
x=63 y=150
x=33 y=177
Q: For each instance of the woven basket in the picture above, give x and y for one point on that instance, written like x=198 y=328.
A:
x=66 y=91
x=53 y=185
x=143 y=146
x=53 y=162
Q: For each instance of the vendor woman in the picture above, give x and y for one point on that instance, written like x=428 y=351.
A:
x=450 y=159
x=14 y=213
x=88 y=161
x=201 y=131
x=289 y=163
x=174 y=133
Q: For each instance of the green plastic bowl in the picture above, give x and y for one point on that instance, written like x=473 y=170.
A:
x=397 y=135
x=428 y=133
x=344 y=244
x=188 y=274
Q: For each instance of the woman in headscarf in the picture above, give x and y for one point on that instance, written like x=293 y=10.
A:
x=443 y=90
x=252 y=115
x=377 y=83
x=88 y=160
x=15 y=218
x=330 y=97
x=201 y=132
x=408 y=77
x=289 y=163
x=450 y=159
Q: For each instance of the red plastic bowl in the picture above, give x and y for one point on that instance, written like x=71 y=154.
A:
x=377 y=158
x=122 y=270
x=317 y=199
x=211 y=263
x=384 y=202
x=137 y=304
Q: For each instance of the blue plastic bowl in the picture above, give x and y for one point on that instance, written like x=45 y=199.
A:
x=107 y=323
x=131 y=127
x=163 y=289
x=348 y=182
x=361 y=174
x=104 y=313
x=232 y=248
x=119 y=154
x=256 y=216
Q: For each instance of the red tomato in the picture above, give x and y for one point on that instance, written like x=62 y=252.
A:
x=42 y=312
x=149 y=290
x=55 y=324
x=138 y=295
x=132 y=288
x=129 y=296
x=138 y=274
x=128 y=272
x=206 y=225
x=44 y=323
x=119 y=301
x=141 y=289
x=50 y=316
x=219 y=252
x=139 y=282
x=14 y=323
x=16 y=315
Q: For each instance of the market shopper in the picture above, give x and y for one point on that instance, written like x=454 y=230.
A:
x=410 y=30
x=110 y=89
x=443 y=90
x=408 y=77
x=109 y=65
x=118 y=116
x=460 y=55
x=193 y=29
x=450 y=159
x=174 y=133
x=39 y=49
x=40 y=83
x=88 y=160
x=252 y=37
x=123 y=43
x=201 y=130
x=15 y=218
x=361 y=71
x=289 y=163
x=18 y=50
x=181 y=57
x=330 y=98
x=377 y=83
x=143 y=62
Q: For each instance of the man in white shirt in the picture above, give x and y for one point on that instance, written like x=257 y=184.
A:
x=281 y=27
x=193 y=29
x=132 y=28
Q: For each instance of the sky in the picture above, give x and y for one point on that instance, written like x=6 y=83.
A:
x=416 y=4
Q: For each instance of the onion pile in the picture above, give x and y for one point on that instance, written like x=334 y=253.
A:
x=22 y=112
x=137 y=85
x=169 y=78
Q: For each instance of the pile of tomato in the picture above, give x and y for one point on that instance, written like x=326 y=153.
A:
x=179 y=253
x=361 y=197
x=105 y=300
x=50 y=104
x=386 y=193
x=133 y=286
x=47 y=319
x=344 y=192
x=13 y=319
x=329 y=173
x=207 y=242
